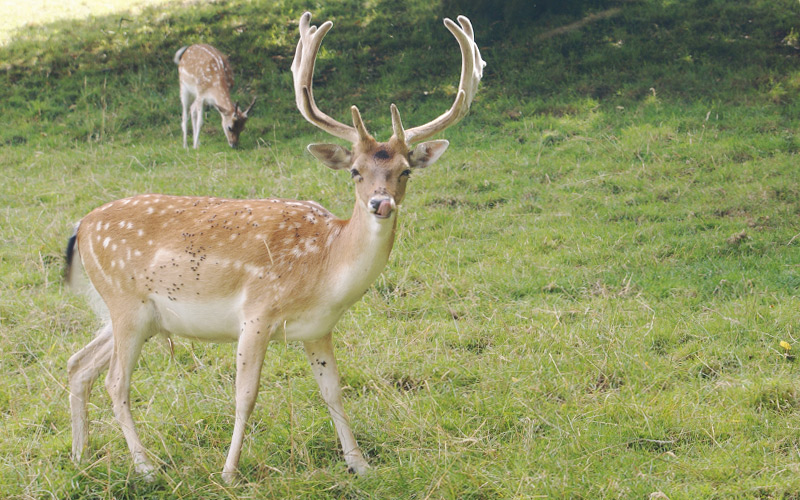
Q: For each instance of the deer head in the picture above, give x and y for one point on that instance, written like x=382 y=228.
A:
x=233 y=122
x=381 y=169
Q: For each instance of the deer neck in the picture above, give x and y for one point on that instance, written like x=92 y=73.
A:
x=222 y=101
x=360 y=251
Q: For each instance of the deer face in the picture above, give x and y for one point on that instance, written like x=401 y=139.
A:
x=233 y=125
x=234 y=121
x=380 y=170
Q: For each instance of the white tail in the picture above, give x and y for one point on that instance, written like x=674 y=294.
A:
x=206 y=77
x=246 y=271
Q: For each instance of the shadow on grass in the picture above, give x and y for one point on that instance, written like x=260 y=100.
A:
x=113 y=76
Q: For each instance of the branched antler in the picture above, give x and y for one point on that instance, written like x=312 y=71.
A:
x=303 y=72
x=471 y=73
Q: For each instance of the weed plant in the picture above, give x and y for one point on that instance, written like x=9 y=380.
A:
x=594 y=294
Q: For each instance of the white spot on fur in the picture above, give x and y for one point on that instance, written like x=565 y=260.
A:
x=251 y=269
x=106 y=241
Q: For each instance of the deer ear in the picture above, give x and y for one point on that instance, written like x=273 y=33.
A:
x=426 y=153
x=331 y=155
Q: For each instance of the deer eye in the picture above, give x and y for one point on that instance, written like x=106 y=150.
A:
x=406 y=173
x=355 y=174
x=230 y=128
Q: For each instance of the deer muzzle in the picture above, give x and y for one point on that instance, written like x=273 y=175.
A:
x=382 y=206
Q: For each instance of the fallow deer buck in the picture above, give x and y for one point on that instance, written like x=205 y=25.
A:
x=250 y=271
x=206 y=75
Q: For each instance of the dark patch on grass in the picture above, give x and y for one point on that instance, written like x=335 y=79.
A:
x=737 y=238
x=652 y=445
x=714 y=368
x=28 y=357
x=660 y=345
x=779 y=398
x=673 y=440
x=15 y=140
x=452 y=202
x=605 y=383
x=474 y=345
x=406 y=383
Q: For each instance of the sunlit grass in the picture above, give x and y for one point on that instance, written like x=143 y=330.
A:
x=21 y=13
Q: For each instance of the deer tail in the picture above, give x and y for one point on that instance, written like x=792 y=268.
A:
x=70 y=254
x=179 y=54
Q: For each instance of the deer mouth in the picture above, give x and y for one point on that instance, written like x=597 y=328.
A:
x=381 y=207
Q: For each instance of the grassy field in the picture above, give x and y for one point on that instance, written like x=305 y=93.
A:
x=593 y=294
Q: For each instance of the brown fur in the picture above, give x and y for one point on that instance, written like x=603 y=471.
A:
x=188 y=247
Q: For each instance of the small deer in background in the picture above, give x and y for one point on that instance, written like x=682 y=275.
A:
x=206 y=75
x=250 y=271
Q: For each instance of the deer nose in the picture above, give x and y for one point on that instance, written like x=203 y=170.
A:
x=382 y=206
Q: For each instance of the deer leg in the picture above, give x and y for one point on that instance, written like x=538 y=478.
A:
x=83 y=368
x=323 y=366
x=197 y=121
x=128 y=341
x=249 y=358
x=184 y=114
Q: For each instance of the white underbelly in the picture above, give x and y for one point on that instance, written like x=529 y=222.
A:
x=215 y=320
x=313 y=325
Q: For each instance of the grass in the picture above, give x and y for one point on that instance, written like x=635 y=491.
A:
x=587 y=294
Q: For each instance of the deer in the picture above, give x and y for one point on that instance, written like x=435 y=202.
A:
x=206 y=75
x=249 y=271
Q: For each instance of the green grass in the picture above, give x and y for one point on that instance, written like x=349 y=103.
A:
x=587 y=294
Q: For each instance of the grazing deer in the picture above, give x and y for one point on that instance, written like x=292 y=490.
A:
x=206 y=75
x=250 y=271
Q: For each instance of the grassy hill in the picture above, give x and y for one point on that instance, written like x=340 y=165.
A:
x=589 y=297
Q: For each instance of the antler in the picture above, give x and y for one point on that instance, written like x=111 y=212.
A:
x=303 y=72
x=471 y=72
x=250 y=106
x=239 y=110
